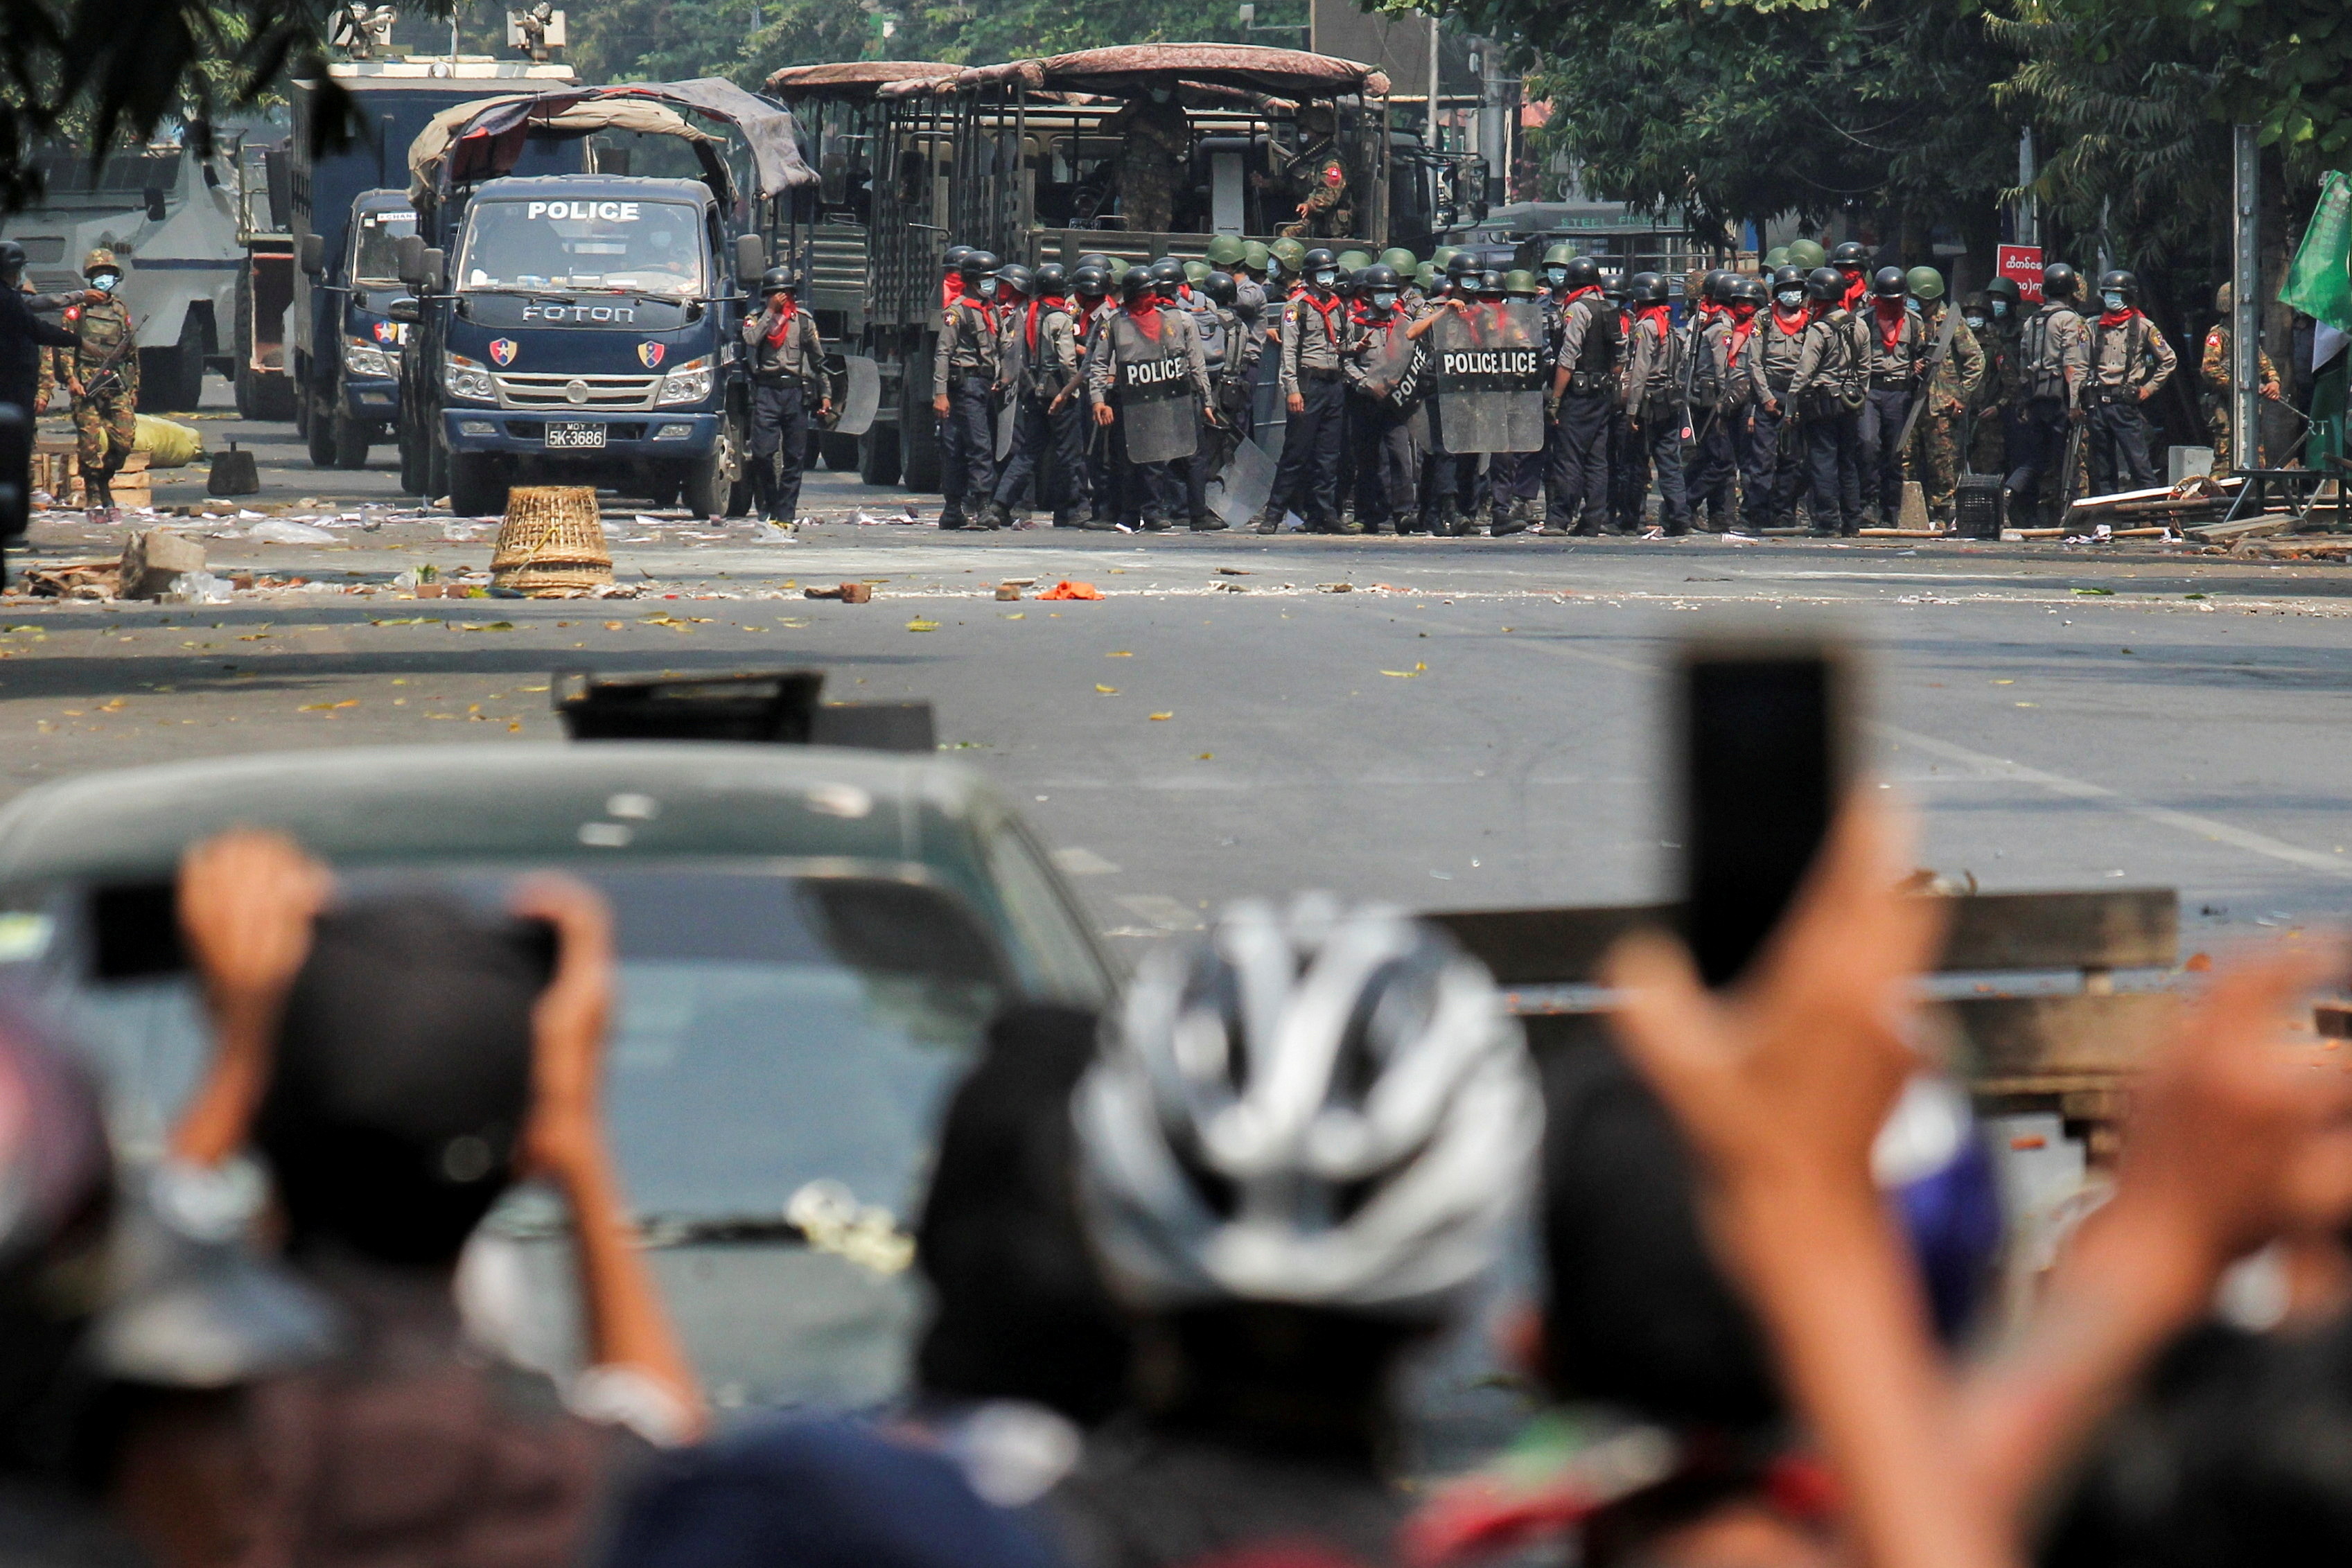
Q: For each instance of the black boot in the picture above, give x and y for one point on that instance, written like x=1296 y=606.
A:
x=1208 y=523
x=1269 y=521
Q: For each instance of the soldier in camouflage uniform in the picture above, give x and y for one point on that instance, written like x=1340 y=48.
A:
x=104 y=380
x=2213 y=371
x=1155 y=149
x=1319 y=179
x=2004 y=391
x=1934 y=455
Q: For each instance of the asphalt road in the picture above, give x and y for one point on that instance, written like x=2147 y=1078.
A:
x=1473 y=723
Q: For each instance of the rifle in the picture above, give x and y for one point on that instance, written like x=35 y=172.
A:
x=2067 y=479
x=112 y=364
x=1927 y=376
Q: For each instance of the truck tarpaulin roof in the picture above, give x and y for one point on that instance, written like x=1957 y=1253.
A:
x=1126 y=70
x=851 y=79
x=481 y=141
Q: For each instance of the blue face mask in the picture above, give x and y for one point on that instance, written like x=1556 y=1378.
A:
x=1791 y=298
x=1913 y=304
x=1976 y=323
x=1555 y=275
x=104 y=282
x=1326 y=279
x=988 y=288
x=2001 y=307
x=1384 y=299
x=2115 y=299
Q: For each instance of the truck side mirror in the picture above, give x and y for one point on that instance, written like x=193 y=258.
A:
x=404 y=309
x=751 y=260
x=433 y=279
x=408 y=255
x=314 y=254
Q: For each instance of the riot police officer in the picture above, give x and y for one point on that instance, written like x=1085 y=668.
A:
x=964 y=368
x=1774 y=467
x=1313 y=329
x=2129 y=362
x=1654 y=394
x=1819 y=393
x=1140 y=373
x=1583 y=393
x=787 y=361
x=1894 y=347
x=2055 y=350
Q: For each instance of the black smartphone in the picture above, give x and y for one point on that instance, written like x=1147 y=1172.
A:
x=1765 y=751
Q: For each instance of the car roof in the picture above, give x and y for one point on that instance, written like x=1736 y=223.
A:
x=506 y=801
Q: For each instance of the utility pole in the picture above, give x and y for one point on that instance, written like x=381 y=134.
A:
x=2029 y=216
x=1430 y=135
x=2245 y=308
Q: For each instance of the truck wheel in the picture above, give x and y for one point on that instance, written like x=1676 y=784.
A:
x=842 y=452
x=878 y=454
x=712 y=483
x=351 y=440
x=171 y=379
x=319 y=432
x=478 y=485
x=918 y=446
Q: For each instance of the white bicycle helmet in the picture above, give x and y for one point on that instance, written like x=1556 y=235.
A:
x=1309 y=1105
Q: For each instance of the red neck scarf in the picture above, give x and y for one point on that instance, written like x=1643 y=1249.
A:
x=1330 y=305
x=1145 y=313
x=1855 y=290
x=1743 y=324
x=1890 y=320
x=1790 y=324
x=783 y=326
x=1363 y=315
x=1029 y=328
x=1575 y=295
x=1662 y=314
x=951 y=288
x=2111 y=320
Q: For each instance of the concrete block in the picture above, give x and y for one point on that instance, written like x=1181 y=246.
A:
x=153 y=560
x=2186 y=462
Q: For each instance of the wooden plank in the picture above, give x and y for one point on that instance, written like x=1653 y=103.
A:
x=2011 y=1037
x=2127 y=928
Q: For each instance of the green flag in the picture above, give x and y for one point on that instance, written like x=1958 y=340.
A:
x=2319 y=283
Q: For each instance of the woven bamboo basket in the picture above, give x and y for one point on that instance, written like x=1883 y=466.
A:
x=552 y=544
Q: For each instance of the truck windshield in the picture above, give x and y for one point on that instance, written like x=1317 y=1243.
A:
x=646 y=247
x=377 y=235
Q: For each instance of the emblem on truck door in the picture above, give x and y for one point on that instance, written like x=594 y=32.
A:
x=502 y=350
x=650 y=353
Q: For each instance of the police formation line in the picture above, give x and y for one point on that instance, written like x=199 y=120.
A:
x=1440 y=398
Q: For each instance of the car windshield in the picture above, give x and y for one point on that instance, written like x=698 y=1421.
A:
x=375 y=238
x=632 y=246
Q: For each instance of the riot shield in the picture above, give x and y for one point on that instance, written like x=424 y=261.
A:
x=1393 y=367
x=1008 y=425
x=861 y=396
x=1240 y=493
x=1158 y=409
x=1486 y=375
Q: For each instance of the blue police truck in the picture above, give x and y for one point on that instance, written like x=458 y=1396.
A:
x=583 y=329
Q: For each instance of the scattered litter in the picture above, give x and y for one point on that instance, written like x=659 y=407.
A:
x=1065 y=588
x=197 y=588
x=1406 y=675
x=1335 y=588
x=1157 y=717
x=1008 y=590
x=1232 y=572
x=1107 y=691
x=767 y=533
x=279 y=531
x=847 y=592
x=921 y=625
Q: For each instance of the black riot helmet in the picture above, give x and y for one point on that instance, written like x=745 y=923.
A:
x=1710 y=286
x=1096 y=259
x=1490 y=285
x=1749 y=291
x=1090 y=282
x=2058 y=281
x=1888 y=283
x=1723 y=288
x=1167 y=272
x=1851 y=256
x=1459 y=264
x=775 y=280
x=1583 y=272
x=1649 y=289
x=1136 y=282
x=1319 y=266
x=1825 y=285
x=1017 y=277
x=2120 y=282
x=12 y=260
x=977 y=263
x=1789 y=277
x=953 y=261
x=1616 y=287
x=1051 y=281
x=1377 y=277
x=1220 y=287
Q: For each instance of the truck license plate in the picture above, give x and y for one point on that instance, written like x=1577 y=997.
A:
x=575 y=435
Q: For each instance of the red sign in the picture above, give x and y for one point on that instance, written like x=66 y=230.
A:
x=2022 y=264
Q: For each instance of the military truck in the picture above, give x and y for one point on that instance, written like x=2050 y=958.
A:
x=1021 y=158
x=169 y=215
x=840 y=111
x=581 y=267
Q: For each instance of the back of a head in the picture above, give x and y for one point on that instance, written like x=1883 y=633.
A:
x=1021 y=1311
x=1640 y=1316
x=403 y=1076
x=1305 y=1140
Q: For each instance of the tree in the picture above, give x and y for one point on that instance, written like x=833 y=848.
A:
x=985 y=30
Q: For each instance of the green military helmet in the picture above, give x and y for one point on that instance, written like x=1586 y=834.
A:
x=1559 y=255
x=1924 y=283
x=1119 y=268
x=1355 y=260
x=1424 y=276
x=1292 y=254
x=1775 y=259
x=1403 y=260
x=1254 y=255
x=1807 y=254
x=1223 y=251
x=1441 y=256
x=1195 y=271
x=101 y=260
x=2005 y=288
x=1520 y=284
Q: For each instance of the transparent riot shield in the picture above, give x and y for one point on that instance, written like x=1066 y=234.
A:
x=1240 y=493
x=1008 y=425
x=1393 y=366
x=1159 y=411
x=1486 y=372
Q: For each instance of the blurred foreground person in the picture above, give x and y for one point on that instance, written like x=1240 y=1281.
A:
x=397 y=1064
x=1300 y=1151
x=1024 y=1351
x=1781 y=1084
x=55 y=1201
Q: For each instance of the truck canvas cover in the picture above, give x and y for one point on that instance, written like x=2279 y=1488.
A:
x=480 y=140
